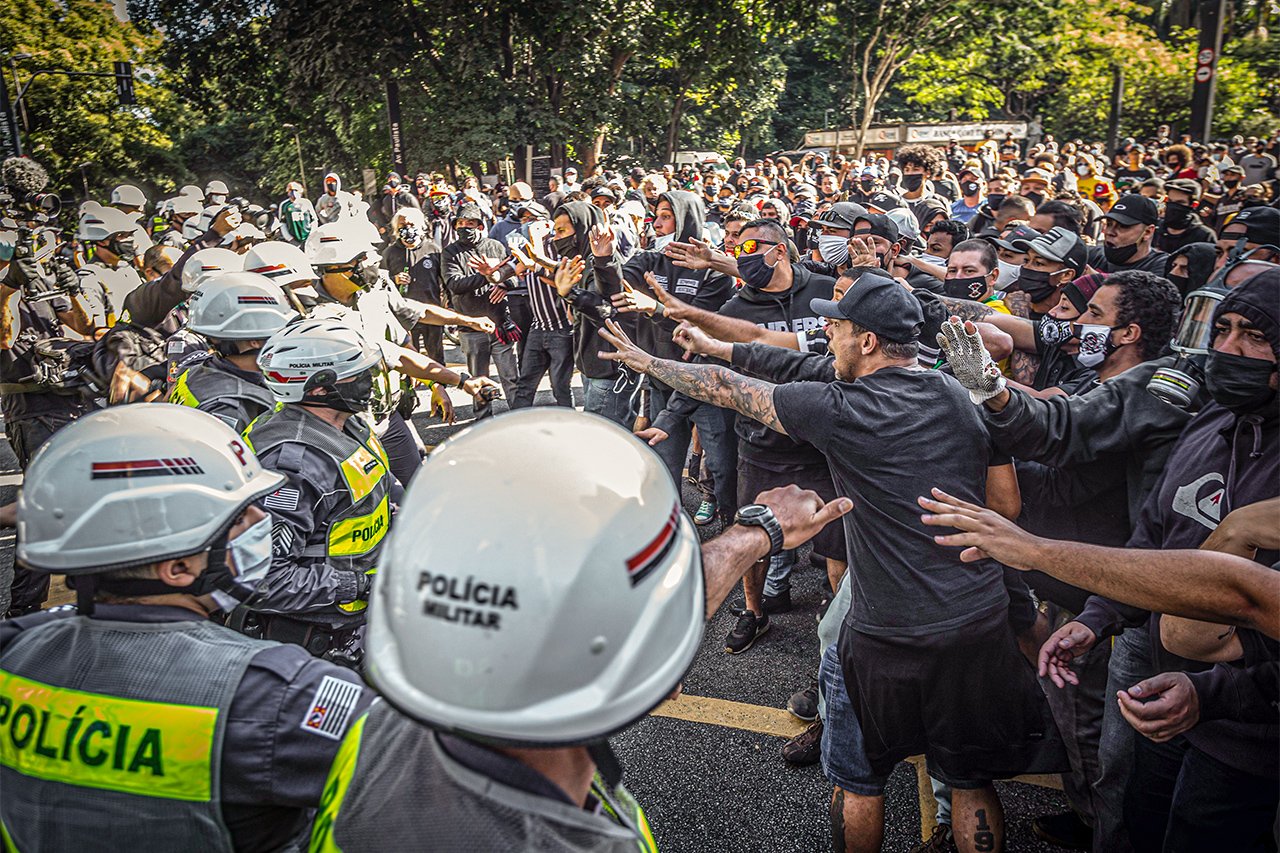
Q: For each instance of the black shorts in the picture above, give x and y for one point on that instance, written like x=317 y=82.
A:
x=965 y=698
x=752 y=480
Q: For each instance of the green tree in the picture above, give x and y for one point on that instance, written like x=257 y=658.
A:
x=77 y=120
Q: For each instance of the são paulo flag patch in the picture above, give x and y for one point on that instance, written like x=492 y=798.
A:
x=331 y=707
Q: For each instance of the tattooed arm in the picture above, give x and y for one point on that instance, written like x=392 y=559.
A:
x=710 y=383
x=964 y=309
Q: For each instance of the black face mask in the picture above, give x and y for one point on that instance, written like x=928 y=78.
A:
x=1231 y=184
x=974 y=287
x=994 y=200
x=469 y=236
x=1054 y=333
x=911 y=183
x=566 y=247
x=1239 y=383
x=1036 y=284
x=1182 y=282
x=969 y=188
x=868 y=185
x=354 y=396
x=1177 y=215
x=755 y=273
x=1035 y=198
x=1119 y=254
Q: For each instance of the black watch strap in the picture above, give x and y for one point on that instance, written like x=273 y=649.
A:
x=463 y=378
x=759 y=515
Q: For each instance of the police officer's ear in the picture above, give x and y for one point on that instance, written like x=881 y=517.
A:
x=182 y=572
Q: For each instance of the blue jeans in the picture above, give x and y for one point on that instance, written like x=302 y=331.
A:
x=844 y=760
x=600 y=398
x=1130 y=663
x=719 y=446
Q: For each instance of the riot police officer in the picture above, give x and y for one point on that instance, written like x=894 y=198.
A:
x=179 y=210
x=597 y=563
x=107 y=275
x=36 y=397
x=236 y=313
x=334 y=508
x=352 y=289
x=133 y=722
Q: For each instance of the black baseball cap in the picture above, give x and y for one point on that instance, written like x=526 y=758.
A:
x=1261 y=225
x=1018 y=239
x=841 y=215
x=881 y=226
x=1134 y=209
x=1062 y=246
x=884 y=202
x=1184 y=185
x=878 y=304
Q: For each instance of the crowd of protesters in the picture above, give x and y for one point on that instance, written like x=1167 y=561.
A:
x=1056 y=350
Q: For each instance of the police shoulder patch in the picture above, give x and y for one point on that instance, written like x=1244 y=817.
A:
x=330 y=709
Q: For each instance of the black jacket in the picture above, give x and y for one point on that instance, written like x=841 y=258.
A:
x=424 y=272
x=469 y=290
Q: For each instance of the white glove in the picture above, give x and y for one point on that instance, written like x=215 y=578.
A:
x=970 y=361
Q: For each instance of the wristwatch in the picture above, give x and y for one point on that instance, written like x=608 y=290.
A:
x=759 y=515
x=463 y=378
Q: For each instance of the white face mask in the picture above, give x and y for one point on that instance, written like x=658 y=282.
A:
x=833 y=249
x=1008 y=274
x=1095 y=342
x=249 y=554
x=933 y=259
x=662 y=241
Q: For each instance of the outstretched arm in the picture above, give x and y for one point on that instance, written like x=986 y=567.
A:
x=719 y=386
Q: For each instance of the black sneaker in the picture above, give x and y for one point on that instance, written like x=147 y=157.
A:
x=744 y=633
x=1065 y=830
x=780 y=603
x=940 y=842
x=803 y=704
x=805 y=748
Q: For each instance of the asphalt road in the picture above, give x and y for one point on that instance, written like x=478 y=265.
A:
x=709 y=787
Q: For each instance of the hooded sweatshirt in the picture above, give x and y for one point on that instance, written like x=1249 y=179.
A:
x=705 y=289
x=330 y=208
x=468 y=289
x=590 y=299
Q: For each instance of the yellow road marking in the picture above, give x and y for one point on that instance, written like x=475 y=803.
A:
x=780 y=723
x=735 y=715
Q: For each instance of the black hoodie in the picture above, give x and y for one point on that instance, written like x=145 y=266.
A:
x=705 y=289
x=786 y=312
x=590 y=299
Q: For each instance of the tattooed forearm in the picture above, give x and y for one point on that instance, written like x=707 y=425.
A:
x=966 y=310
x=721 y=387
x=1023 y=367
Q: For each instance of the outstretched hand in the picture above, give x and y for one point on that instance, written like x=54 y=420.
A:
x=568 y=273
x=970 y=362
x=626 y=351
x=694 y=255
x=984 y=532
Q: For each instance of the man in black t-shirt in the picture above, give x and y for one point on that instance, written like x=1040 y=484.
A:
x=920 y=616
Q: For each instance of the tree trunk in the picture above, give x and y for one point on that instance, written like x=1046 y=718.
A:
x=673 y=127
x=596 y=151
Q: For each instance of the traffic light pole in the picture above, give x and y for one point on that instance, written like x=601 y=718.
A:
x=123 y=75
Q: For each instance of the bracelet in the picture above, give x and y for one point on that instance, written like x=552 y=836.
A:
x=659 y=312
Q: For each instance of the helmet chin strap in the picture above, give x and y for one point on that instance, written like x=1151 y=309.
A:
x=606 y=761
